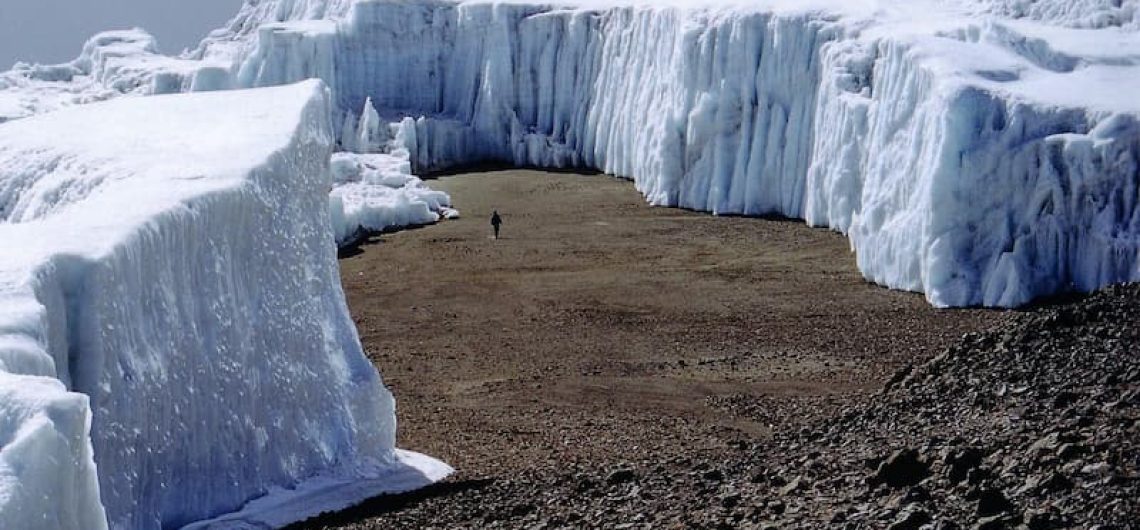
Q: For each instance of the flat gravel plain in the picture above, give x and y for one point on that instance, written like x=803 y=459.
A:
x=607 y=364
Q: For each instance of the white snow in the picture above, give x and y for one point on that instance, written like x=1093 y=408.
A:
x=952 y=141
x=373 y=185
x=47 y=474
x=116 y=63
x=174 y=343
x=112 y=63
x=372 y=193
x=169 y=281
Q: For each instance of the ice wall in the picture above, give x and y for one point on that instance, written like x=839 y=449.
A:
x=930 y=138
x=169 y=277
x=928 y=131
x=47 y=474
x=960 y=171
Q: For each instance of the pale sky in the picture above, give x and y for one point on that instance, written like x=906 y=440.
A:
x=53 y=31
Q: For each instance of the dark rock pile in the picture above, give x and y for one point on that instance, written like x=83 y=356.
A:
x=1031 y=425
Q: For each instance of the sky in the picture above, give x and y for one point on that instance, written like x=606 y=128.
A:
x=53 y=31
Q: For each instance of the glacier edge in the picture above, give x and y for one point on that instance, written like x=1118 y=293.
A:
x=206 y=380
x=902 y=139
x=845 y=114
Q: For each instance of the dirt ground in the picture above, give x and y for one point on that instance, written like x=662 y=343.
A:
x=599 y=330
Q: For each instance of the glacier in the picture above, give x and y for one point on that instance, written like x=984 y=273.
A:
x=983 y=152
x=175 y=346
x=980 y=152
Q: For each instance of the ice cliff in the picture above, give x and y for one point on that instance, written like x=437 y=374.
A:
x=983 y=152
x=174 y=342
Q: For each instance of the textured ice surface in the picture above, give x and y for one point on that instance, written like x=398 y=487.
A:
x=171 y=326
x=373 y=185
x=169 y=280
x=375 y=192
x=111 y=64
x=983 y=152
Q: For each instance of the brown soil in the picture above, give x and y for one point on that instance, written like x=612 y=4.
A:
x=599 y=330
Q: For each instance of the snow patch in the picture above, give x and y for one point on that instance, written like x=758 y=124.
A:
x=377 y=192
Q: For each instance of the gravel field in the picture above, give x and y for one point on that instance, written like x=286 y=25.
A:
x=611 y=365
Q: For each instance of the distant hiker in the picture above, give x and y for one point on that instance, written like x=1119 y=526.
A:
x=496 y=222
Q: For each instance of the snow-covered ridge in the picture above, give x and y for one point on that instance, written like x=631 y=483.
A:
x=980 y=151
x=111 y=64
x=169 y=282
x=1071 y=13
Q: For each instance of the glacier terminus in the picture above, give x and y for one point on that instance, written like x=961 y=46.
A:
x=982 y=152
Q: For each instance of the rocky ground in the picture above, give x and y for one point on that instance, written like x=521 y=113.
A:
x=1031 y=421
x=1031 y=424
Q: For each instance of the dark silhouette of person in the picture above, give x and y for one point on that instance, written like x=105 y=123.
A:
x=496 y=222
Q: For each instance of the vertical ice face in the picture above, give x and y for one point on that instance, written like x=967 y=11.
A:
x=647 y=93
x=948 y=185
x=371 y=133
x=171 y=264
x=47 y=473
x=288 y=53
x=171 y=312
x=925 y=146
x=1022 y=219
x=863 y=120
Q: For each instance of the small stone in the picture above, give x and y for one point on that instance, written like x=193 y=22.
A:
x=713 y=475
x=1046 y=445
x=996 y=522
x=730 y=501
x=1071 y=451
x=1064 y=399
x=620 y=476
x=959 y=462
x=1052 y=482
x=1099 y=468
x=792 y=487
x=902 y=468
x=521 y=510
x=1040 y=520
x=978 y=475
x=912 y=495
x=585 y=484
x=992 y=502
x=910 y=520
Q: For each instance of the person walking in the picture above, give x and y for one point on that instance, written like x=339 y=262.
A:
x=496 y=222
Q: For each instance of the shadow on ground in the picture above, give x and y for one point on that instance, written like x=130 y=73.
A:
x=492 y=167
x=385 y=504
